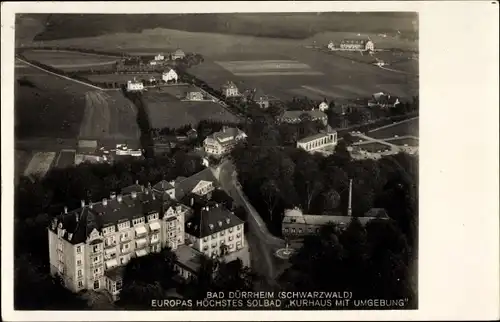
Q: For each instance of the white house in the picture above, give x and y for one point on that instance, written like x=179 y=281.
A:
x=134 y=86
x=357 y=44
x=159 y=57
x=222 y=142
x=229 y=89
x=153 y=63
x=331 y=45
x=169 y=75
x=323 y=106
x=178 y=54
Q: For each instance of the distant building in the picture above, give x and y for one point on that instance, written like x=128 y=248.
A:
x=159 y=57
x=220 y=143
x=153 y=63
x=323 y=106
x=194 y=94
x=134 y=86
x=357 y=44
x=383 y=100
x=169 y=75
x=229 y=89
x=318 y=141
x=297 y=116
x=178 y=54
x=263 y=102
x=296 y=224
x=331 y=45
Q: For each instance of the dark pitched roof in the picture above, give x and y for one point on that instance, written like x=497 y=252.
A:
x=226 y=136
x=80 y=222
x=184 y=185
x=163 y=186
x=133 y=188
x=204 y=222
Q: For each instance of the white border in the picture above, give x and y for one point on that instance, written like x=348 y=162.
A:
x=459 y=254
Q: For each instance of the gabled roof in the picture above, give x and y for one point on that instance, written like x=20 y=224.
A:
x=224 y=137
x=82 y=221
x=228 y=84
x=162 y=186
x=184 y=186
x=205 y=222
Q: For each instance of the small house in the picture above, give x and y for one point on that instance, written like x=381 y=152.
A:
x=169 y=75
x=194 y=94
x=178 y=54
x=323 y=106
x=229 y=89
x=134 y=86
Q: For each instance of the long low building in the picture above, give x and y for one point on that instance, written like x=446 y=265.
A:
x=318 y=141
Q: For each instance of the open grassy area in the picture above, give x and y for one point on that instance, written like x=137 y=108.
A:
x=67 y=60
x=373 y=147
x=409 y=127
x=46 y=105
x=403 y=141
x=166 y=110
x=121 y=78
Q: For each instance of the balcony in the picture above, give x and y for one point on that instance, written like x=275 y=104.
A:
x=124 y=250
x=141 y=231
x=125 y=239
x=154 y=240
x=141 y=243
x=108 y=245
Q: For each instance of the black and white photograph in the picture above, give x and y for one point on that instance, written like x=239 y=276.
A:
x=219 y=161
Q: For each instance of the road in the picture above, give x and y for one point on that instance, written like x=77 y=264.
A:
x=263 y=245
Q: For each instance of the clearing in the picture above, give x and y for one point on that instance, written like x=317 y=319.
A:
x=404 y=128
x=121 y=78
x=69 y=60
x=165 y=109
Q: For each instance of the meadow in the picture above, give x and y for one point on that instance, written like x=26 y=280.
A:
x=166 y=110
x=409 y=127
x=121 y=78
x=68 y=60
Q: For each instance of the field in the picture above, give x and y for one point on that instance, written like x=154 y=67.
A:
x=46 y=105
x=373 y=147
x=409 y=127
x=40 y=163
x=402 y=141
x=121 y=78
x=67 y=60
x=166 y=110
x=109 y=115
x=66 y=158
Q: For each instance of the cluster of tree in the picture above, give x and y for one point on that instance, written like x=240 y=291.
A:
x=75 y=49
x=375 y=261
x=276 y=177
x=155 y=277
x=37 y=201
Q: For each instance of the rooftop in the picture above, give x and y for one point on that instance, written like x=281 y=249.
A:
x=205 y=222
x=313 y=137
x=80 y=222
x=185 y=185
x=296 y=216
x=115 y=273
x=227 y=135
x=188 y=257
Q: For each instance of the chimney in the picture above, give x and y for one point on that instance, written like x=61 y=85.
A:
x=119 y=198
x=149 y=185
x=220 y=223
x=349 y=207
x=104 y=202
x=134 y=194
x=211 y=226
x=189 y=224
x=228 y=220
x=77 y=216
x=91 y=205
x=153 y=196
x=146 y=191
x=112 y=195
x=192 y=201
x=65 y=209
x=137 y=182
x=83 y=203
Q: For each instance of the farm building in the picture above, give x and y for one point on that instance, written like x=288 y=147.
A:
x=178 y=54
x=258 y=96
x=357 y=44
x=194 y=94
x=318 y=141
x=134 y=85
x=323 y=106
x=229 y=89
x=383 y=100
x=159 y=57
x=299 y=116
x=222 y=142
x=169 y=75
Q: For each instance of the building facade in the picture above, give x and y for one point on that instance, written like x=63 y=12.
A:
x=318 y=141
x=134 y=85
x=294 y=117
x=323 y=106
x=97 y=237
x=230 y=90
x=220 y=143
x=357 y=44
x=178 y=54
x=169 y=75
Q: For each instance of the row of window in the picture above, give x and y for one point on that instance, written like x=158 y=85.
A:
x=222 y=233
x=293 y=231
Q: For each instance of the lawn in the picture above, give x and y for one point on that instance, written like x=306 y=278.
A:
x=46 y=105
x=403 y=141
x=409 y=127
x=373 y=147
x=69 y=60
x=165 y=110
x=121 y=78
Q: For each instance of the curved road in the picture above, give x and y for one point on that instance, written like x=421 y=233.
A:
x=263 y=245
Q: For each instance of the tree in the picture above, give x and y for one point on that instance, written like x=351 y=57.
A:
x=271 y=194
x=331 y=200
